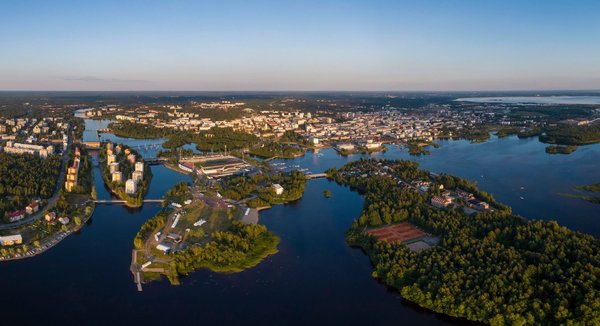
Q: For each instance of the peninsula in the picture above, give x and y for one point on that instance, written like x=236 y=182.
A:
x=125 y=173
x=196 y=230
x=451 y=248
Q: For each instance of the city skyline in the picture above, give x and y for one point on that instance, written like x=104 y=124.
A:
x=308 y=46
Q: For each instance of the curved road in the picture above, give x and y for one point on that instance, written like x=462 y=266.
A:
x=52 y=200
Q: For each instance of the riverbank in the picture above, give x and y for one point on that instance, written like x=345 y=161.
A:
x=55 y=238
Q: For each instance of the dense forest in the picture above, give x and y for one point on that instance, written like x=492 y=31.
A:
x=215 y=139
x=293 y=137
x=232 y=250
x=280 y=150
x=219 y=139
x=139 y=131
x=493 y=267
x=24 y=177
x=572 y=135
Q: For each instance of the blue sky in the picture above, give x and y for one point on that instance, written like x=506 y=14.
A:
x=299 y=45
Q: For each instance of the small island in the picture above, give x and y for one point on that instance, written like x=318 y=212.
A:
x=451 y=248
x=418 y=149
x=125 y=173
x=273 y=150
x=265 y=189
x=555 y=149
x=196 y=230
x=588 y=193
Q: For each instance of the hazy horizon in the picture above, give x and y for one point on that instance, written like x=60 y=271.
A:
x=381 y=46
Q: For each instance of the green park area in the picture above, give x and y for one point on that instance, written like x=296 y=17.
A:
x=207 y=234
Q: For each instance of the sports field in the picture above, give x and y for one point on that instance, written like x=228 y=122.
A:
x=398 y=232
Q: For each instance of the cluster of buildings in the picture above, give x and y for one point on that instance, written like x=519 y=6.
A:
x=366 y=129
x=450 y=198
x=35 y=136
x=72 y=172
x=443 y=198
x=361 y=126
x=21 y=148
x=50 y=217
x=116 y=175
x=20 y=214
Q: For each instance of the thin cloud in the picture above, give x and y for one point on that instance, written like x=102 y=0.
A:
x=95 y=79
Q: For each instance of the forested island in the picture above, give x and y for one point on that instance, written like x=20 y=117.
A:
x=362 y=150
x=277 y=150
x=553 y=149
x=489 y=266
x=417 y=149
x=192 y=232
x=587 y=193
x=125 y=173
x=572 y=135
x=259 y=190
x=215 y=139
x=138 y=131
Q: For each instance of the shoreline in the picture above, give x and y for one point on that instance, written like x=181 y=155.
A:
x=57 y=236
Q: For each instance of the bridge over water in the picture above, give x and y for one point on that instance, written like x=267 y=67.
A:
x=316 y=175
x=121 y=202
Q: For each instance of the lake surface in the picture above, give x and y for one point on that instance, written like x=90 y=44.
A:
x=314 y=279
x=534 y=99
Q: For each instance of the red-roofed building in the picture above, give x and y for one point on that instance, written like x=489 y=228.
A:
x=16 y=215
x=32 y=208
x=440 y=202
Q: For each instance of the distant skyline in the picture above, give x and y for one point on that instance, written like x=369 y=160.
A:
x=300 y=45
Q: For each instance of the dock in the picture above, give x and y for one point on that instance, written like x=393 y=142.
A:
x=134 y=268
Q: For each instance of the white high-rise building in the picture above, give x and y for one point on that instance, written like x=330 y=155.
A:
x=117 y=176
x=110 y=159
x=113 y=167
x=137 y=176
x=139 y=166
x=130 y=187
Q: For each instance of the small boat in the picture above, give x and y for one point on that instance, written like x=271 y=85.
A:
x=522 y=198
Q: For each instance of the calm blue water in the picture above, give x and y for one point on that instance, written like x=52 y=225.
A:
x=518 y=172
x=534 y=99
x=314 y=279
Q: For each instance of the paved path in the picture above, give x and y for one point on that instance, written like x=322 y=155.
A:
x=251 y=217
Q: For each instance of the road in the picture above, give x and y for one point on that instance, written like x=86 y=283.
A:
x=52 y=200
